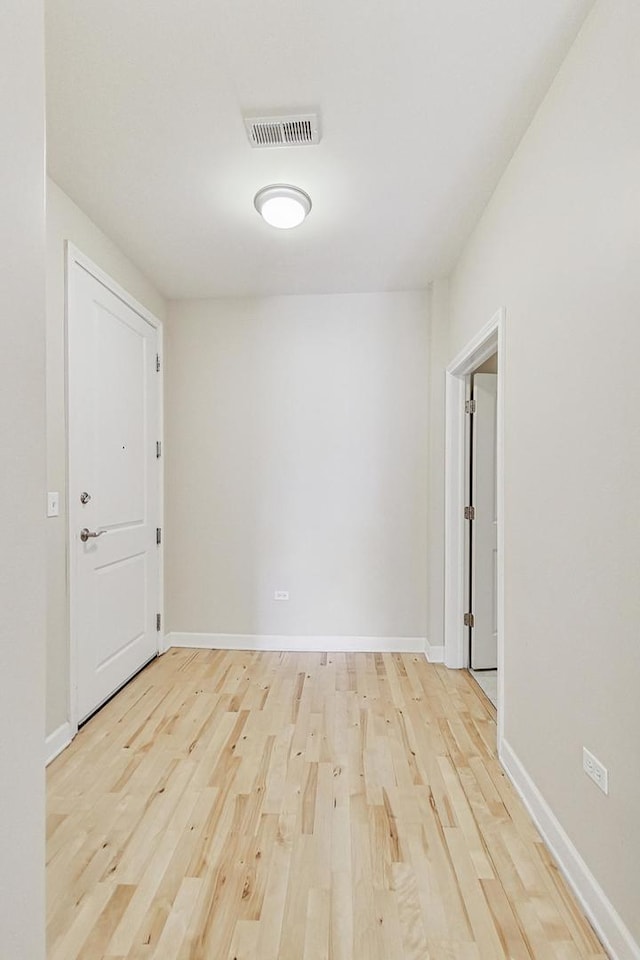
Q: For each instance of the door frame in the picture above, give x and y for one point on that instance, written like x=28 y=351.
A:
x=487 y=341
x=74 y=260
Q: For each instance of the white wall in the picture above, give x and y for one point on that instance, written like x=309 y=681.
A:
x=559 y=246
x=22 y=482
x=438 y=356
x=66 y=221
x=296 y=440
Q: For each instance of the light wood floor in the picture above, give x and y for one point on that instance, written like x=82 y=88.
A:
x=265 y=806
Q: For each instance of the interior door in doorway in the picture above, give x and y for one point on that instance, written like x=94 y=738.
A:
x=114 y=479
x=483 y=652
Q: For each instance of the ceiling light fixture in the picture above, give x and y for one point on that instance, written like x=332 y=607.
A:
x=282 y=205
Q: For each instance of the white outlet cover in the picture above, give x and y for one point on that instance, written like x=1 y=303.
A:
x=281 y=595
x=595 y=770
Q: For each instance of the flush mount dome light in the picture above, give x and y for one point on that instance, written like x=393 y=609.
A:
x=282 y=205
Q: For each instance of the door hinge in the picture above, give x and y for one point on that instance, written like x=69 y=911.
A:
x=158 y=449
x=469 y=513
x=158 y=622
x=157 y=363
x=469 y=620
x=470 y=406
x=158 y=535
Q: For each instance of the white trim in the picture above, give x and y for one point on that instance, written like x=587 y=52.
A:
x=56 y=742
x=616 y=938
x=249 y=641
x=73 y=256
x=489 y=339
x=162 y=645
x=434 y=653
x=76 y=256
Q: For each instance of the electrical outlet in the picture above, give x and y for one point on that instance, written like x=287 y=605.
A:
x=594 y=769
x=53 y=504
x=281 y=595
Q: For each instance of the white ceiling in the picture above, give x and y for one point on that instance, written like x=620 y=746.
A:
x=422 y=103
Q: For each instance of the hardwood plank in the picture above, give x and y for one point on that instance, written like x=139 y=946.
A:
x=293 y=806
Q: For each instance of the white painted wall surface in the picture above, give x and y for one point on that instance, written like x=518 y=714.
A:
x=22 y=482
x=438 y=357
x=66 y=221
x=559 y=246
x=296 y=443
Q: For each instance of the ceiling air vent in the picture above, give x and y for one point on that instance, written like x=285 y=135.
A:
x=301 y=130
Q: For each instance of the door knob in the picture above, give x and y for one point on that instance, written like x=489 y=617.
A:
x=86 y=534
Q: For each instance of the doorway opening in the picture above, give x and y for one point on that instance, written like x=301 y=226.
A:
x=481 y=527
x=474 y=593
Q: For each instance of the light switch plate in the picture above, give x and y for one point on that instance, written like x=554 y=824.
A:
x=53 y=504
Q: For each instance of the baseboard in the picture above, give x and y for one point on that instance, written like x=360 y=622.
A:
x=238 y=641
x=57 y=741
x=607 y=923
x=433 y=653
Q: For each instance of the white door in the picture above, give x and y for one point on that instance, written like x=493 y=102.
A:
x=484 y=537
x=114 y=482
